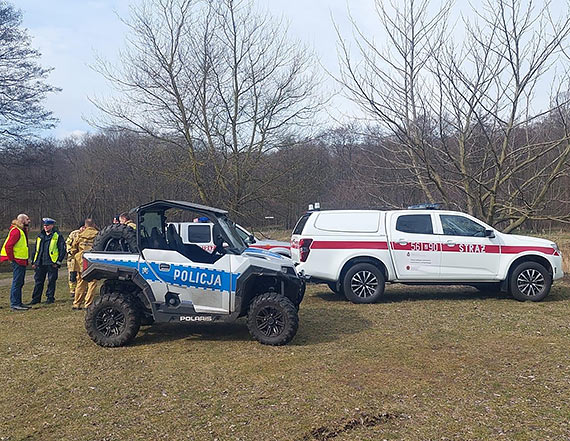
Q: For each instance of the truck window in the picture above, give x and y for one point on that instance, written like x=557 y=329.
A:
x=199 y=233
x=301 y=223
x=461 y=226
x=415 y=223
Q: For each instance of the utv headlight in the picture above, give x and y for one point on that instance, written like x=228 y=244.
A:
x=288 y=270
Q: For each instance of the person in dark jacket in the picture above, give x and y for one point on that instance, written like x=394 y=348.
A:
x=50 y=254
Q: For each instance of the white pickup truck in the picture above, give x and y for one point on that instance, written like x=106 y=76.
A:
x=357 y=251
x=201 y=234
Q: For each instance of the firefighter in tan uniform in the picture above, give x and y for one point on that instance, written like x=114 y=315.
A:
x=71 y=266
x=125 y=219
x=84 y=291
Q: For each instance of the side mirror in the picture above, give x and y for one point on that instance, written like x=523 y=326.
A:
x=251 y=239
x=489 y=233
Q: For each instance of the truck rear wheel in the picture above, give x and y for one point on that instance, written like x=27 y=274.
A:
x=113 y=320
x=530 y=281
x=272 y=319
x=364 y=283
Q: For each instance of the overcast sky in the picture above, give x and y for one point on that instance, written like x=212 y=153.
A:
x=71 y=33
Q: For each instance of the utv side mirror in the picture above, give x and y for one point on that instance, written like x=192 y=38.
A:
x=251 y=239
x=489 y=233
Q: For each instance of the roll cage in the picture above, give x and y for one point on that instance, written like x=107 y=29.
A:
x=153 y=232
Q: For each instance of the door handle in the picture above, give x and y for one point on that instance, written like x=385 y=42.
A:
x=164 y=267
x=403 y=242
x=450 y=243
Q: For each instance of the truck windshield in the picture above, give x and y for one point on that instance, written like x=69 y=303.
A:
x=236 y=244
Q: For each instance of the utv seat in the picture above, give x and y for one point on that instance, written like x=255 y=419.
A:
x=191 y=251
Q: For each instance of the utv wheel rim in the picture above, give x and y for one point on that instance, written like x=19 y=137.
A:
x=270 y=321
x=110 y=322
x=364 y=284
x=530 y=282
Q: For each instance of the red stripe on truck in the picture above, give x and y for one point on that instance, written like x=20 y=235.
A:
x=347 y=245
x=269 y=247
x=509 y=249
x=429 y=247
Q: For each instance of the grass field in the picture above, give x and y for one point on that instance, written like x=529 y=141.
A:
x=424 y=364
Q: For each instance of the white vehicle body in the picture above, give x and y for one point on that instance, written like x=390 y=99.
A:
x=209 y=288
x=200 y=233
x=414 y=246
x=150 y=275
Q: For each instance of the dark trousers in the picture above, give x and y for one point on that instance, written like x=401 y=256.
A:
x=39 y=279
x=19 y=273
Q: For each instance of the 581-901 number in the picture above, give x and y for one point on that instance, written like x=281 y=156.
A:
x=424 y=246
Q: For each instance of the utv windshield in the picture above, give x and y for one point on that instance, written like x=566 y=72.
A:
x=236 y=243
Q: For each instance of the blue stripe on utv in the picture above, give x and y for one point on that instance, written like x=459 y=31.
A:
x=264 y=252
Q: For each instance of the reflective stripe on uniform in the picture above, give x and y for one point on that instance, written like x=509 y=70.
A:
x=53 y=250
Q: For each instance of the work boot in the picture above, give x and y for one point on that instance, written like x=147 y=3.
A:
x=19 y=308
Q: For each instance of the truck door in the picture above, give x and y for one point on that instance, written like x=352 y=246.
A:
x=414 y=246
x=466 y=253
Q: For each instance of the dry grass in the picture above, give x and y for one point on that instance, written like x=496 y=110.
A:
x=425 y=364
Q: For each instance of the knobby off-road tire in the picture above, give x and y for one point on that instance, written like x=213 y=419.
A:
x=530 y=281
x=272 y=319
x=113 y=320
x=116 y=237
x=364 y=283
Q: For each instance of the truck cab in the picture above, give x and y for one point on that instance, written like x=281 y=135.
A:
x=201 y=232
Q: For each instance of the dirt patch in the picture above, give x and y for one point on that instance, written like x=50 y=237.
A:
x=325 y=433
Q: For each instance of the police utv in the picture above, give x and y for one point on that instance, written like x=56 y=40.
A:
x=151 y=276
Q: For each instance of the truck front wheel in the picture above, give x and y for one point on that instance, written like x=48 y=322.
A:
x=530 y=281
x=364 y=283
x=113 y=320
x=272 y=319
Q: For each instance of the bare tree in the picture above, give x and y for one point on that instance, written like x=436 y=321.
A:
x=463 y=116
x=219 y=81
x=22 y=80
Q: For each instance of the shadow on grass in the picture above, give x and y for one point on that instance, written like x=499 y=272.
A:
x=460 y=293
x=405 y=293
x=322 y=325
x=164 y=332
x=316 y=325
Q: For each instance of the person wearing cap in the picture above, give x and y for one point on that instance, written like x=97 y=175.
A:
x=50 y=253
x=15 y=250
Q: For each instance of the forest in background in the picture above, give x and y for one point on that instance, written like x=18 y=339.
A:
x=214 y=103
